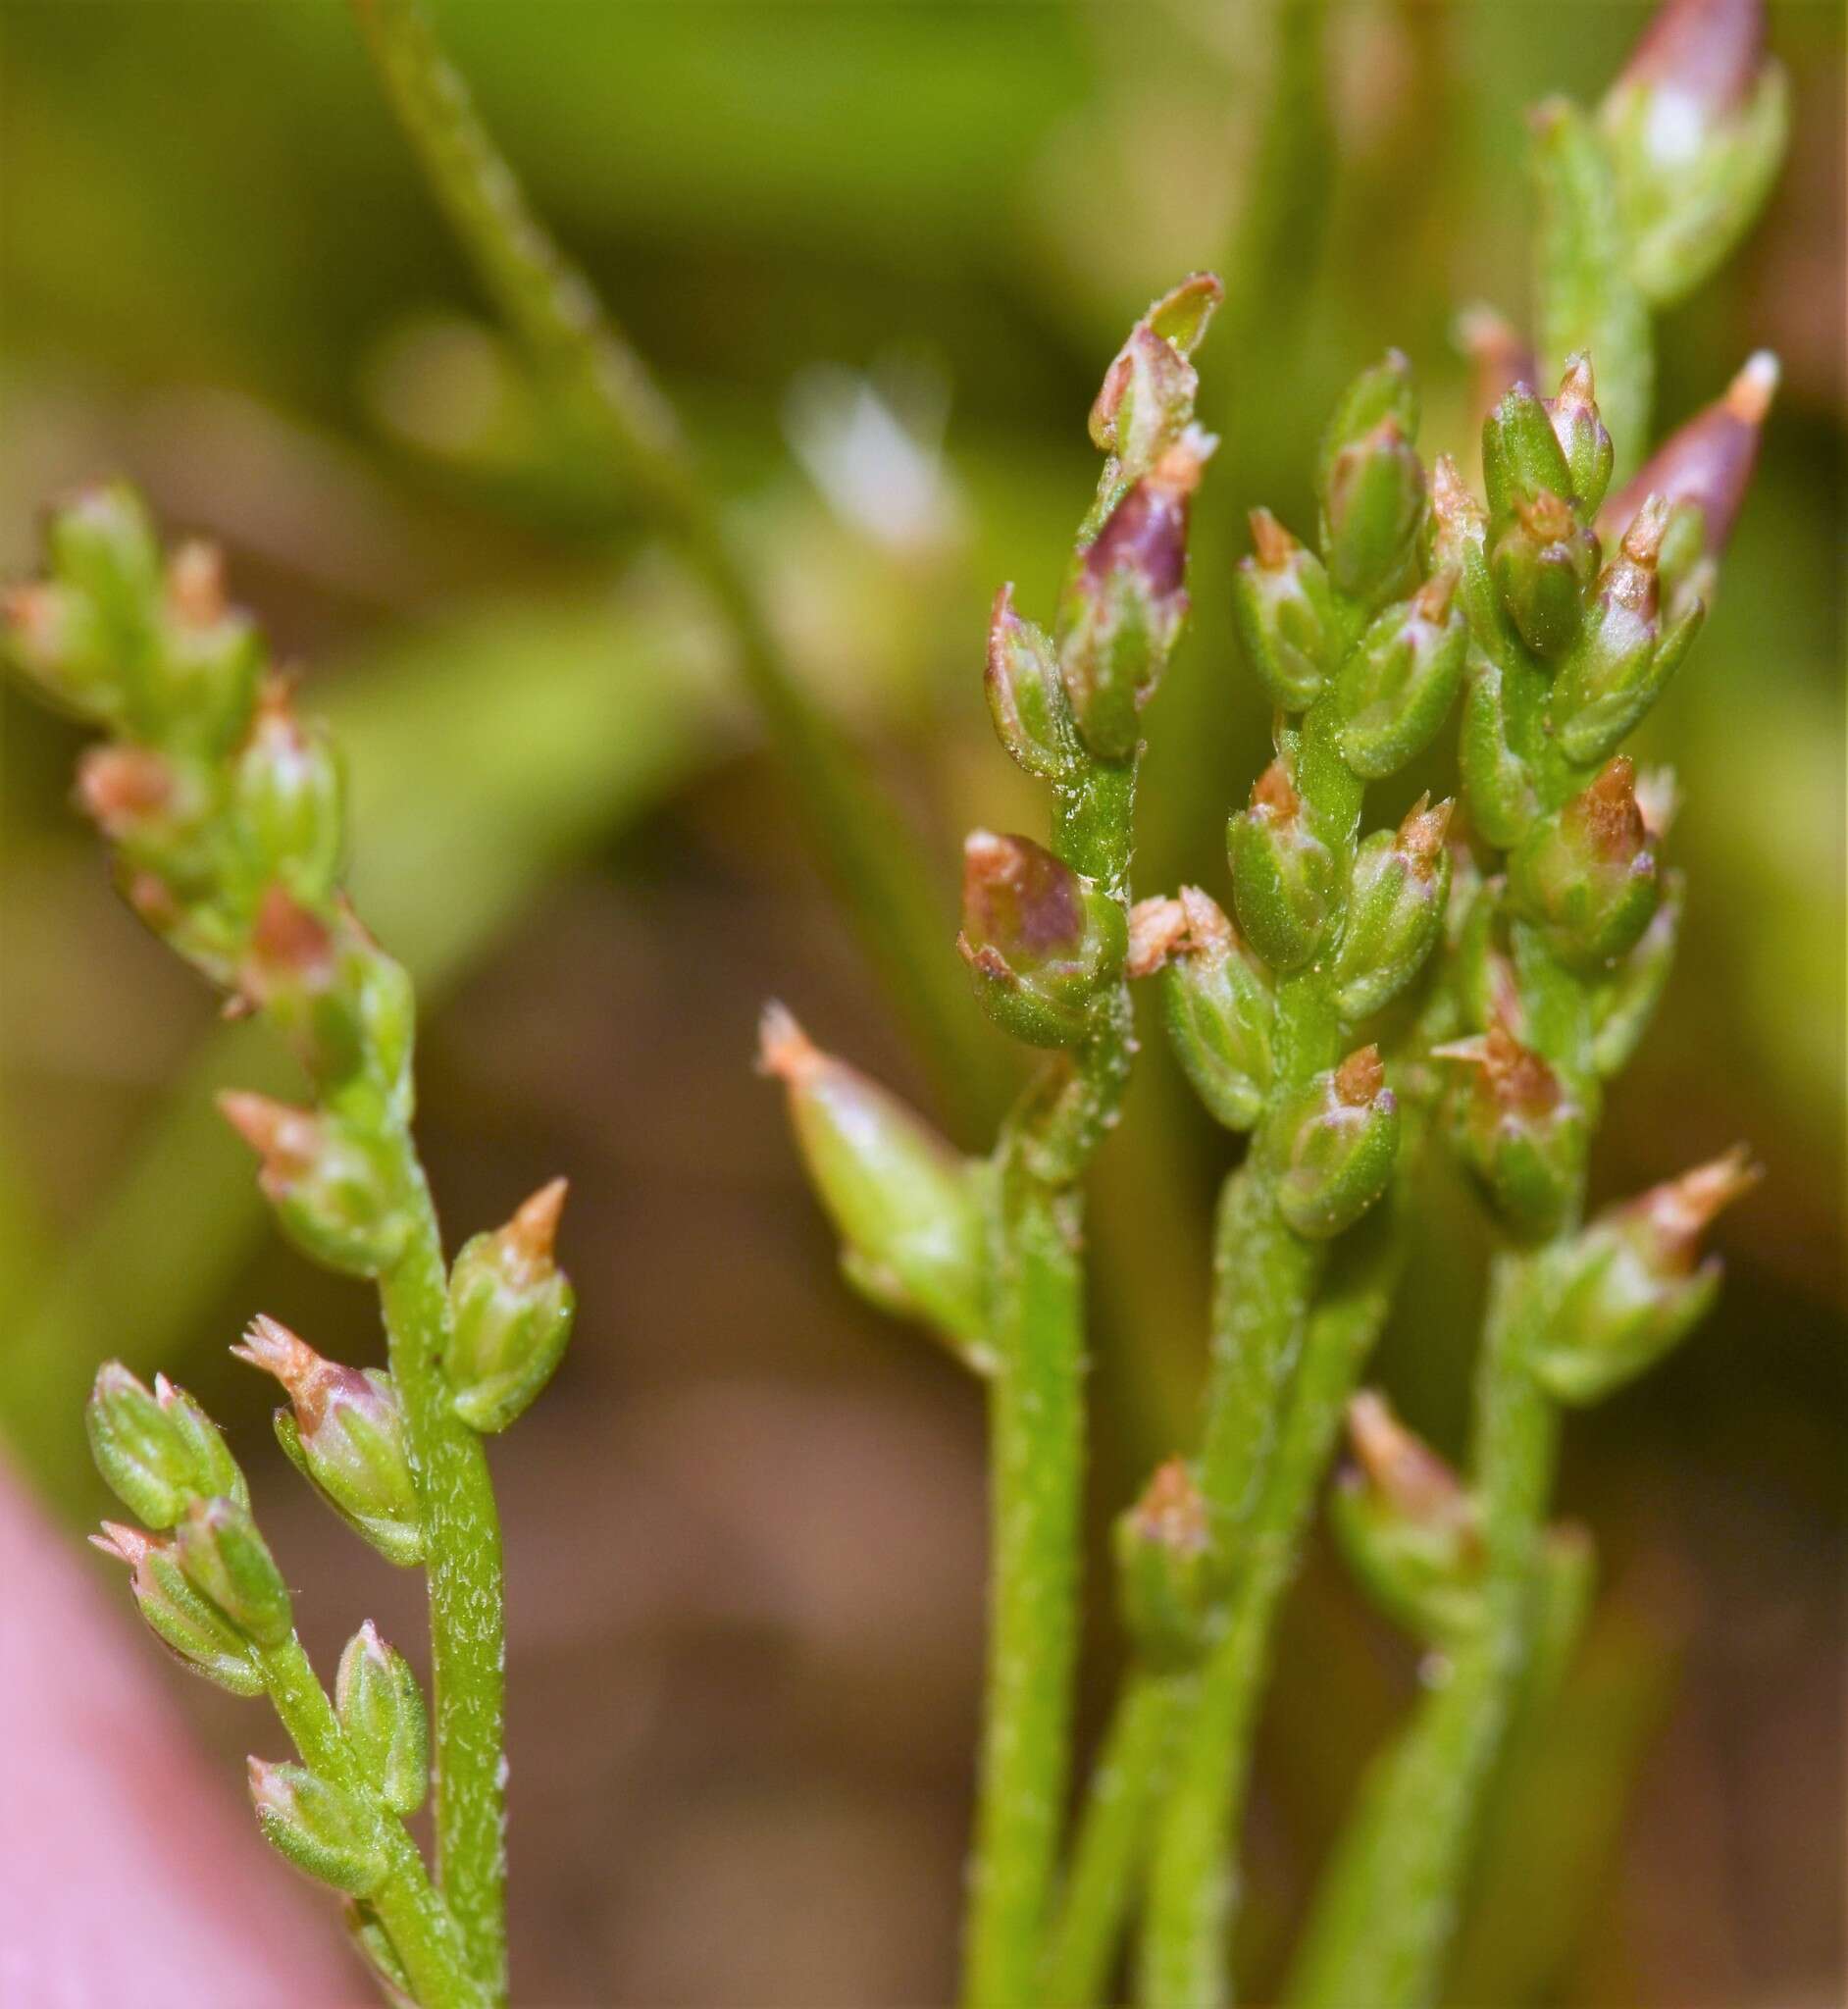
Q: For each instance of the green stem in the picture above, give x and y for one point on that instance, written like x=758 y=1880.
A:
x=895 y=904
x=421 y=1932
x=467 y=1602
x=1127 y=1785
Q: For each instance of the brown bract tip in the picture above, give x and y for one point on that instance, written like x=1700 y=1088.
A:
x=1157 y=928
x=1360 y=1077
x=195 y=584
x=532 y=1232
x=1274 y=791
x=785 y=1052
x=1272 y=544
x=1172 y=1510
x=1401 y=1464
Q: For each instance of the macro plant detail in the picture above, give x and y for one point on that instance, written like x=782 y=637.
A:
x=223 y=806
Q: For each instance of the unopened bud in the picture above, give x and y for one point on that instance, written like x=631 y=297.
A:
x=1517 y=1130
x=1395 y=909
x=325 y=1831
x=1127 y=599
x=1026 y=696
x=286 y=792
x=1283 y=876
x=345 y=1435
x=1041 y=942
x=1332 y=1146
x=1542 y=560
x=1583 y=441
x=332 y=1187
x=1696 y=125
x=1285 y=612
x=510 y=1313
x=907 y=1208
x=1399 y=683
x=1406 y=1526
x=157 y=1449
x=1622 y=661
x=1215 y=1000
x=381 y=1709
x=191 y=1628
x=1163 y=1564
x=227 y=1560
x=1630 y=1285
x=1148 y=397
x=1587 y=873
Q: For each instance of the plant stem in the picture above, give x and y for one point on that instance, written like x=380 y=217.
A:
x=420 y=1929
x=467 y=1600
x=556 y=313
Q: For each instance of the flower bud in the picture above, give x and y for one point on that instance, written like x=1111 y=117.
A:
x=1628 y=1287
x=1332 y=1146
x=1408 y=1528
x=1579 y=429
x=1523 y=456
x=1587 y=874
x=1216 y=1000
x=1285 y=612
x=1623 y=1007
x=1041 y=942
x=1026 y=696
x=381 y=1709
x=1126 y=600
x=324 y=1830
x=1622 y=661
x=1283 y=876
x=1371 y=506
x=156 y=1451
x=1395 y=909
x=1517 y=1130
x=227 y=1560
x=331 y=1186
x=1398 y=685
x=345 y=1435
x=287 y=792
x=191 y=1627
x=1163 y=1569
x=1497 y=785
x=510 y=1313
x=906 y=1207
x=1147 y=401
x=1695 y=125
x=1542 y=560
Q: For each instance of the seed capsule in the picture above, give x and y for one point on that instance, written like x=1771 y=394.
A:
x=1283 y=876
x=1041 y=942
x=1332 y=1146
x=510 y=1313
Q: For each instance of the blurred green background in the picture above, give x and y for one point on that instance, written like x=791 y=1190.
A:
x=880 y=254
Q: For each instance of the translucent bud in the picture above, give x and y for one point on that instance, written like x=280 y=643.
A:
x=1398 y=685
x=1497 y=785
x=1408 y=1528
x=1623 y=1007
x=1026 y=696
x=157 y=1449
x=1216 y=1000
x=1332 y=1146
x=902 y=1202
x=1622 y=661
x=286 y=790
x=1629 y=1286
x=331 y=1186
x=1372 y=505
x=325 y=1831
x=1696 y=125
x=1041 y=942
x=1283 y=876
x=510 y=1313
x=187 y=1625
x=1542 y=560
x=1395 y=909
x=1580 y=431
x=227 y=1560
x=1587 y=873
x=1164 y=1566
x=1517 y=1130
x=1285 y=612
x=1126 y=601
x=1148 y=397
x=381 y=1709
x=345 y=1435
